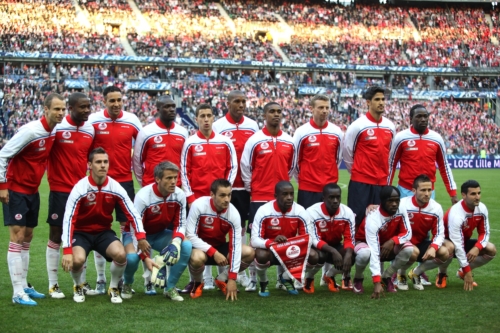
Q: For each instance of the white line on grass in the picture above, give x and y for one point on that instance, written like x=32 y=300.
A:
x=342 y=185
x=494 y=229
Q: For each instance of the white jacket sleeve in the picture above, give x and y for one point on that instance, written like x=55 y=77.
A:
x=371 y=232
x=234 y=162
x=127 y=206
x=17 y=143
x=182 y=215
x=137 y=157
x=456 y=236
x=234 y=257
x=256 y=239
x=192 y=222
x=246 y=164
x=185 y=163
x=439 y=236
x=348 y=146
x=71 y=213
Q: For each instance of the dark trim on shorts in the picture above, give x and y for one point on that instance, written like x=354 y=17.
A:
x=95 y=242
x=22 y=209
x=422 y=247
x=57 y=207
x=129 y=188
x=222 y=249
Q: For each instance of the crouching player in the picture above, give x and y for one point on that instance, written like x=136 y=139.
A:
x=276 y=221
x=210 y=221
x=425 y=215
x=334 y=222
x=460 y=222
x=162 y=206
x=87 y=225
x=384 y=235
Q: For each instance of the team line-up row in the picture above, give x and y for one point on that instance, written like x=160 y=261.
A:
x=267 y=159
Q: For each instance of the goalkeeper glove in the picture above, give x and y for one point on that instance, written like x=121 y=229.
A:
x=159 y=275
x=172 y=252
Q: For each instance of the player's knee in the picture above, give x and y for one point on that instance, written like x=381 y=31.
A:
x=247 y=254
x=490 y=250
x=28 y=235
x=443 y=254
x=415 y=253
x=132 y=260
x=17 y=234
x=313 y=257
x=262 y=256
x=78 y=262
x=363 y=257
x=197 y=259
x=321 y=257
x=407 y=252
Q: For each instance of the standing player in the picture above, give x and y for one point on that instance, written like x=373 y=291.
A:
x=268 y=157
x=206 y=156
x=334 y=223
x=114 y=131
x=425 y=215
x=87 y=225
x=275 y=222
x=319 y=152
x=159 y=141
x=460 y=221
x=384 y=235
x=238 y=129
x=162 y=206
x=418 y=150
x=67 y=165
x=23 y=161
x=214 y=228
x=366 y=148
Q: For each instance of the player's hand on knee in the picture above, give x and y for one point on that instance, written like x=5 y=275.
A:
x=280 y=239
x=143 y=245
x=4 y=196
x=172 y=252
x=430 y=254
x=386 y=249
x=472 y=255
x=337 y=259
x=220 y=259
x=231 y=291
x=67 y=262
x=377 y=291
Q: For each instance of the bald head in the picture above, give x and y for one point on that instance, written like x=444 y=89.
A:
x=237 y=103
x=235 y=93
x=164 y=99
x=166 y=110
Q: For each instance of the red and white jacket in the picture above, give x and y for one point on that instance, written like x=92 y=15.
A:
x=69 y=154
x=266 y=160
x=418 y=154
x=333 y=229
x=207 y=229
x=156 y=143
x=423 y=220
x=238 y=133
x=377 y=228
x=366 y=148
x=116 y=136
x=90 y=209
x=270 y=223
x=159 y=212
x=460 y=222
x=318 y=155
x=23 y=159
x=205 y=160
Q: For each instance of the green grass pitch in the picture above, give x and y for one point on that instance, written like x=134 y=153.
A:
x=448 y=310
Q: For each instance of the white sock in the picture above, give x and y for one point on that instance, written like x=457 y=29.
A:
x=146 y=275
x=207 y=273
x=480 y=261
x=444 y=267
x=15 y=263
x=253 y=272
x=116 y=270
x=25 y=254
x=84 y=272
x=52 y=257
x=77 y=276
x=333 y=271
x=220 y=269
x=279 y=271
x=261 y=270
x=326 y=267
x=196 y=273
x=311 y=270
x=362 y=259
x=427 y=265
x=222 y=275
x=100 y=266
x=399 y=261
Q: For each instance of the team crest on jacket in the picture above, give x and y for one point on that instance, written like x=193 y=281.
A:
x=66 y=135
x=370 y=132
x=54 y=216
x=410 y=215
x=102 y=126
x=155 y=209
x=18 y=217
x=293 y=251
x=264 y=145
x=41 y=143
x=158 y=139
x=209 y=220
x=312 y=138
x=411 y=143
x=91 y=197
x=275 y=221
x=228 y=135
x=322 y=224
x=198 y=148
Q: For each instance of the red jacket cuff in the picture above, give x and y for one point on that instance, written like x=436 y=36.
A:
x=452 y=193
x=232 y=276
x=466 y=269
x=140 y=235
x=435 y=246
x=211 y=251
x=190 y=199
x=478 y=245
x=68 y=250
x=376 y=279
x=320 y=245
x=268 y=243
x=348 y=245
x=4 y=186
x=143 y=256
x=395 y=239
x=178 y=234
